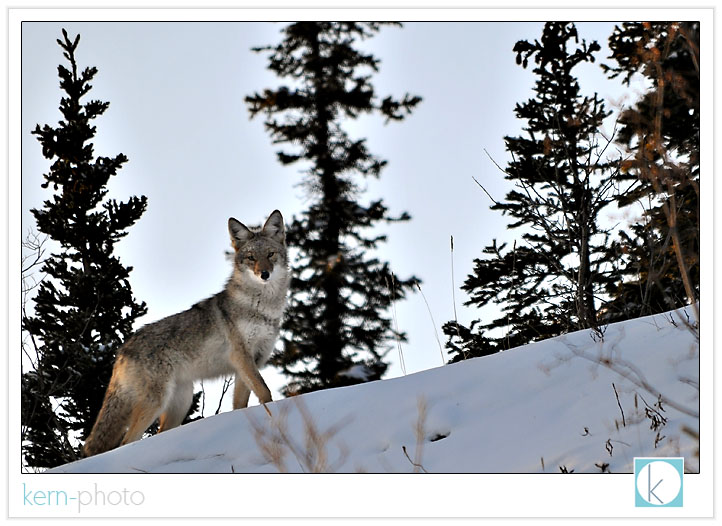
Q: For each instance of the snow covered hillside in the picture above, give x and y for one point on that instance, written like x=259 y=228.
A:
x=578 y=402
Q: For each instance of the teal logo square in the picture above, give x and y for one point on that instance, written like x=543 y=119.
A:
x=658 y=482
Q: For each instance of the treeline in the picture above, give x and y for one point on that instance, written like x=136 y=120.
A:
x=570 y=268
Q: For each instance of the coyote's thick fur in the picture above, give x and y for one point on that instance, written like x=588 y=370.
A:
x=232 y=332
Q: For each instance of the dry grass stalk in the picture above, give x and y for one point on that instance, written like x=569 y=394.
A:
x=275 y=440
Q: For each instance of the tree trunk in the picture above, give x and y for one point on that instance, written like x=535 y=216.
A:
x=329 y=356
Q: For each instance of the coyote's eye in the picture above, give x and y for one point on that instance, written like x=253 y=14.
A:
x=271 y=254
x=250 y=257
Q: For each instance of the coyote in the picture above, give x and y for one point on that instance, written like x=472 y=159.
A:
x=231 y=332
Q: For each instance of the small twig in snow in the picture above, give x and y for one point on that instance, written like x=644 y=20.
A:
x=624 y=423
x=418 y=466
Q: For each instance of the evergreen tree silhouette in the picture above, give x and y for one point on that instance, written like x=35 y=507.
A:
x=84 y=308
x=661 y=130
x=337 y=330
x=547 y=282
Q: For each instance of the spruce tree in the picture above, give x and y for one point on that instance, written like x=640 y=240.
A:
x=338 y=329
x=547 y=282
x=84 y=308
x=661 y=131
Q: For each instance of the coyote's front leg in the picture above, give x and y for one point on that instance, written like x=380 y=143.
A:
x=250 y=376
x=241 y=392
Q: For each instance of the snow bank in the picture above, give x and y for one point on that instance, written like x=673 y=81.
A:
x=578 y=402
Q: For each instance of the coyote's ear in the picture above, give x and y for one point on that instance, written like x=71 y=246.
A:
x=274 y=226
x=238 y=231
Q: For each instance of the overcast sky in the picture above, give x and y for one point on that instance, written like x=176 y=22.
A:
x=176 y=111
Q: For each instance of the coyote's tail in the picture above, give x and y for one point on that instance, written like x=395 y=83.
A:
x=111 y=423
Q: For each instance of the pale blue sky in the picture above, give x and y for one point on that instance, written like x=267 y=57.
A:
x=176 y=110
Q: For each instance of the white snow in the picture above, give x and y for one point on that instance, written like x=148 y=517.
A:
x=358 y=371
x=542 y=407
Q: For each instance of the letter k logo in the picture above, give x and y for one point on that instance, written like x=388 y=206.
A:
x=658 y=481
x=651 y=494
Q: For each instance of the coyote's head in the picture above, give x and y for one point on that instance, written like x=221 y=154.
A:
x=259 y=250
